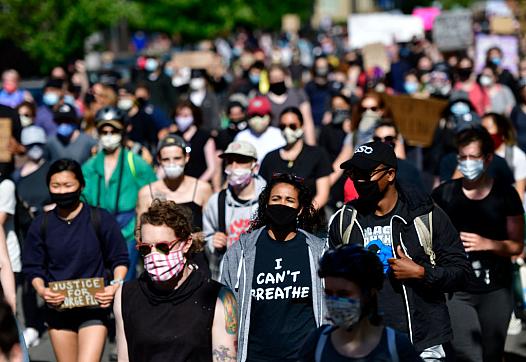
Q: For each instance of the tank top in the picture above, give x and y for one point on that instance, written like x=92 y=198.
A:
x=170 y=326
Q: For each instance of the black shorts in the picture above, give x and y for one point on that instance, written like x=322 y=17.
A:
x=76 y=318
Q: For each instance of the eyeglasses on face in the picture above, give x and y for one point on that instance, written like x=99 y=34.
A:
x=386 y=139
x=291 y=126
x=163 y=247
x=374 y=108
x=364 y=175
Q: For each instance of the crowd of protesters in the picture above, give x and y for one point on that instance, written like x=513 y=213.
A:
x=267 y=208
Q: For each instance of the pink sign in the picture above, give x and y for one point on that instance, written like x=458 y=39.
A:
x=427 y=15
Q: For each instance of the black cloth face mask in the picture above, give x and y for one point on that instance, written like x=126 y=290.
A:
x=282 y=217
x=66 y=200
x=278 y=88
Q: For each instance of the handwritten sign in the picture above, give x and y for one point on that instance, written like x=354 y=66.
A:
x=5 y=137
x=453 y=30
x=201 y=59
x=78 y=292
x=375 y=55
x=416 y=118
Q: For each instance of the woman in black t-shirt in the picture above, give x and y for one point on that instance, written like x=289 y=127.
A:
x=272 y=273
x=489 y=216
x=309 y=162
x=353 y=277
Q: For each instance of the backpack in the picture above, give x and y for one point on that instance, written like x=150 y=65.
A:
x=391 y=343
x=423 y=226
x=221 y=211
x=22 y=218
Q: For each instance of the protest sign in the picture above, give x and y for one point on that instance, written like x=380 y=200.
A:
x=416 y=118
x=507 y=43
x=5 y=137
x=501 y=25
x=201 y=59
x=453 y=30
x=375 y=55
x=383 y=28
x=78 y=292
x=427 y=15
x=290 y=23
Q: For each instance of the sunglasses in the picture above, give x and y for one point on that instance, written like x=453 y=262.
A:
x=291 y=126
x=288 y=176
x=361 y=175
x=374 y=109
x=386 y=139
x=162 y=247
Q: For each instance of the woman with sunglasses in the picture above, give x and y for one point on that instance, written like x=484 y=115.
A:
x=272 y=272
x=309 y=162
x=74 y=241
x=353 y=278
x=173 y=311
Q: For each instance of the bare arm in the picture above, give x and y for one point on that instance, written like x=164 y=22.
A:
x=520 y=186
x=7 y=278
x=323 y=188
x=50 y=297
x=512 y=246
x=308 y=124
x=345 y=154
x=210 y=156
x=122 y=345
x=217 y=178
x=143 y=200
x=224 y=328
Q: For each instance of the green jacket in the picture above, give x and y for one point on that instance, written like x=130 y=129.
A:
x=136 y=174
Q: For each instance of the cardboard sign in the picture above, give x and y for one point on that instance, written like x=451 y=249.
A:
x=78 y=292
x=509 y=45
x=203 y=59
x=453 y=30
x=290 y=23
x=383 y=28
x=501 y=25
x=416 y=118
x=5 y=136
x=374 y=55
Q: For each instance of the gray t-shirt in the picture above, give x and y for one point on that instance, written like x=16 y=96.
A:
x=295 y=97
x=78 y=150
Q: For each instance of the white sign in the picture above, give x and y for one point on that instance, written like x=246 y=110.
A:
x=453 y=30
x=383 y=28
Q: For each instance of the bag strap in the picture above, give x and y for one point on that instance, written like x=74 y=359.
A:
x=131 y=164
x=321 y=343
x=347 y=234
x=221 y=211
x=391 y=344
x=424 y=229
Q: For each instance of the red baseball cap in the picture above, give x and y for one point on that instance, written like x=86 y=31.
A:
x=259 y=106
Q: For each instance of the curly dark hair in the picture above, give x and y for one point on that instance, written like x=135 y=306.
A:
x=176 y=217
x=309 y=218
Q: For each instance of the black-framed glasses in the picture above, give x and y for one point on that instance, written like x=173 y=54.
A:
x=356 y=174
x=373 y=108
x=288 y=176
x=386 y=139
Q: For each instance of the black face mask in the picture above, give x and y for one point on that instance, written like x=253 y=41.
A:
x=278 y=88
x=282 y=217
x=67 y=200
x=369 y=192
x=238 y=125
x=464 y=74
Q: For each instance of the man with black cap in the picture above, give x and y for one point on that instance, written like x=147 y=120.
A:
x=420 y=249
x=69 y=141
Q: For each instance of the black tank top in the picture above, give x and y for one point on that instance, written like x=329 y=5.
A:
x=174 y=326
x=196 y=166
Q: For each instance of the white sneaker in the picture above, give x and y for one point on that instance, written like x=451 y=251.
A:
x=31 y=337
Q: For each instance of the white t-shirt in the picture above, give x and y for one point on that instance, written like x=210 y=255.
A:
x=518 y=161
x=268 y=141
x=7 y=205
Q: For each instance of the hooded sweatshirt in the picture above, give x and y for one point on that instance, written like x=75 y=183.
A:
x=237 y=221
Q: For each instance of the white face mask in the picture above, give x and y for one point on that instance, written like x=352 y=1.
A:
x=197 y=83
x=486 y=81
x=259 y=124
x=125 y=104
x=292 y=136
x=183 y=123
x=173 y=171
x=471 y=169
x=35 y=153
x=239 y=177
x=110 y=142
x=162 y=268
x=26 y=121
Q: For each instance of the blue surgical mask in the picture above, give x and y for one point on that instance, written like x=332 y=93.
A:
x=50 y=98
x=411 y=87
x=254 y=78
x=69 y=99
x=151 y=65
x=471 y=169
x=460 y=109
x=65 y=130
x=169 y=72
x=496 y=60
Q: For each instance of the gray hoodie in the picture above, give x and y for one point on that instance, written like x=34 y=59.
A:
x=237 y=272
x=237 y=221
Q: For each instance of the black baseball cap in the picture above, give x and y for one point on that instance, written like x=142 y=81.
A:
x=65 y=113
x=370 y=155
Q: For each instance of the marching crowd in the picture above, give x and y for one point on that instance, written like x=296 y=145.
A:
x=269 y=212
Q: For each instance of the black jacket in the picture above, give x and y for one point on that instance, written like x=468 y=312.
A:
x=428 y=318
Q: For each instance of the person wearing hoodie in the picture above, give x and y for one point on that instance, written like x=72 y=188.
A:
x=272 y=271
x=228 y=212
x=419 y=247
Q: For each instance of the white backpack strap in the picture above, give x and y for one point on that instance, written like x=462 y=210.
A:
x=342 y=211
x=424 y=229
x=347 y=234
x=391 y=344
x=321 y=343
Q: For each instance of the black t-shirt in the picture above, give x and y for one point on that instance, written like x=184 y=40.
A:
x=380 y=353
x=142 y=128
x=311 y=164
x=196 y=166
x=486 y=217
x=331 y=139
x=281 y=314
x=377 y=237
x=224 y=138
x=32 y=189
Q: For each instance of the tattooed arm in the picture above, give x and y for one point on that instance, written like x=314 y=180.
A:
x=224 y=329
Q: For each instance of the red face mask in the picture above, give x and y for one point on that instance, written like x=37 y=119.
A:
x=497 y=140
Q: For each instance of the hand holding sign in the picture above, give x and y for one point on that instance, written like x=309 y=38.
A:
x=405 y=268
x=105 y=298
x=52 y=298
